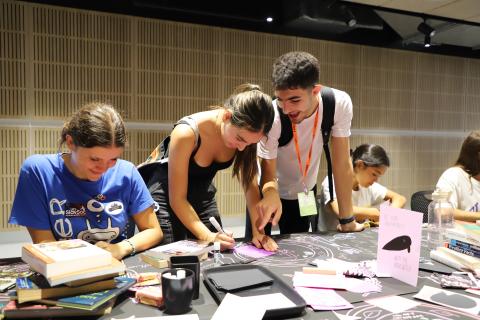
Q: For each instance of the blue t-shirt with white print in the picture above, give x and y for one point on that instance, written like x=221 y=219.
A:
x=50 y=197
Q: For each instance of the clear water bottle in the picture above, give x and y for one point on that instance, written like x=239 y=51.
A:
x=440 y=217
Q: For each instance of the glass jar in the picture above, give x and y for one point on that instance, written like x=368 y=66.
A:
x=440 y=217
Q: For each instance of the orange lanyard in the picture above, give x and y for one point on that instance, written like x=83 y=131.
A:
x=297 y=148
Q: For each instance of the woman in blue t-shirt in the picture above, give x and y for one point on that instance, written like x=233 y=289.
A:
x=87 y=193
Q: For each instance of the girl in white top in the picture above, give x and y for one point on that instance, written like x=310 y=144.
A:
x=370 y=162
x=463 y=180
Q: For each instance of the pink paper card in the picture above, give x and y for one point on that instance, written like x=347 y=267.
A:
x=252 y=251
x=399 y=241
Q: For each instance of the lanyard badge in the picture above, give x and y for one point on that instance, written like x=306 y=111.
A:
x=306 y=199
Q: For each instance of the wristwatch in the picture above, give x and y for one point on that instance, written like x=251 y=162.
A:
x=346 y=220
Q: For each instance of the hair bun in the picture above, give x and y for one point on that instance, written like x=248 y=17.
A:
x=245 y=87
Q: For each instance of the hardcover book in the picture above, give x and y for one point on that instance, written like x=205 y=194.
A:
x=36 y=287
x=13 y=310
x=181 y=248
x=53 y=258
x=78 y=278
x=153 y=261
x=93 y=300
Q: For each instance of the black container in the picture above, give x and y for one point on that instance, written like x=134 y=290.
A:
x=191 y=263
x=177 y=293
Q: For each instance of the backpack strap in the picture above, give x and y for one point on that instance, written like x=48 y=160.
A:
x=286 y=133
x=328 y=99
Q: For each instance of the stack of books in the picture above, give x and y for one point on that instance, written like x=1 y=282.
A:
x=159 y=256
x=462 y=248
x=73 y=278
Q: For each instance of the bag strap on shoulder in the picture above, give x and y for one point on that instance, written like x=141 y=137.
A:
x=328 y=99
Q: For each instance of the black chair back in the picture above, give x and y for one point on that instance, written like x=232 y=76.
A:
x=420 y=201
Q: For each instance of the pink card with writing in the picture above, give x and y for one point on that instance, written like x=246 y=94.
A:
x=252 y=251
x=399 y=242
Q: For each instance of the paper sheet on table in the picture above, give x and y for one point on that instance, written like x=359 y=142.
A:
x=323 y=299
x=338 y=266
x=450 y=299
x=179 y=317
x=238 y=308
x=270 y=301
x=252 y=251
x=394 y=304
x=324 y=281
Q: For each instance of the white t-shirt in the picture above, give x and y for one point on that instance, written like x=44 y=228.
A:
x=373 y=196
x=288 y=170
x=465 y=191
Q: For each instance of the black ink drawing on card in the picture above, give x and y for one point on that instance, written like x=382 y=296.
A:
x=399 y=244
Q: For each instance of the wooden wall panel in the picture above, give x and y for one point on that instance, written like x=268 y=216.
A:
x=387 y=85
x=432 y=157
x=13 y=151
x=471 y=116
x=12 y=61
x=179 y=69
x=79 y=56
x=441 y=90
x=55 y=59
x=338 y=67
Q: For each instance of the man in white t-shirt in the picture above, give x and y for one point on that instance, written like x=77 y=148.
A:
x=289 y=173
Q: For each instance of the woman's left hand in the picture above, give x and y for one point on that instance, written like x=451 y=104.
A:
x=261 y=240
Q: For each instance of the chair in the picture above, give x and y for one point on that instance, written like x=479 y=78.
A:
x=420 y=201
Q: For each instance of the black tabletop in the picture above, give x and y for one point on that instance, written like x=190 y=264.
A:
x=296 y=251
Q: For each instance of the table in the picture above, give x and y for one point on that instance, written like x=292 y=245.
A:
x=295 y=252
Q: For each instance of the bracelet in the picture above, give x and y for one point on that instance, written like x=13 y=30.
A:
x=134 y=250
x=346 y=220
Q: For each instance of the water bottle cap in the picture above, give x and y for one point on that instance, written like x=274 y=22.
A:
x=216 y=246
x=440 y=194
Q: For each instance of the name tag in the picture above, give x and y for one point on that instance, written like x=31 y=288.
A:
x=307 y=204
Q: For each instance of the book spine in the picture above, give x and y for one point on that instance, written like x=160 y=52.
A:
x=37 y=254
x=462 y=234
x=465 y=245
x=462 y=250
x=446 y=260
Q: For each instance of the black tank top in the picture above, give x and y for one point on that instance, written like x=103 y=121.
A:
x=198 y=176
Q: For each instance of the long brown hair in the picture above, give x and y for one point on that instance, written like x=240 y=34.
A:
x=251 y=110
x=96 y=124
x=469 y=157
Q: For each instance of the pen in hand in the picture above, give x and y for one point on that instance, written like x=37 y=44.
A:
x=216 y=225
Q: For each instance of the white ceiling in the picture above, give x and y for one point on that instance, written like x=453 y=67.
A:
x=467 y=10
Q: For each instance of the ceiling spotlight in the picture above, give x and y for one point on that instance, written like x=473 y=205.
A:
x=348 y=16
x=426 y=29
x=426 y=42
x=269 y=19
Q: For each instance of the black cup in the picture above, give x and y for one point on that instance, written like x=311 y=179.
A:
x=177 y=292
x=191 y=263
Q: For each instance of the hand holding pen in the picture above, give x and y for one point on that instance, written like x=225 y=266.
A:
x=225 y=238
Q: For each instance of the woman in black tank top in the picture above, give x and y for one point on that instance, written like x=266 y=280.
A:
x=181 y=182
